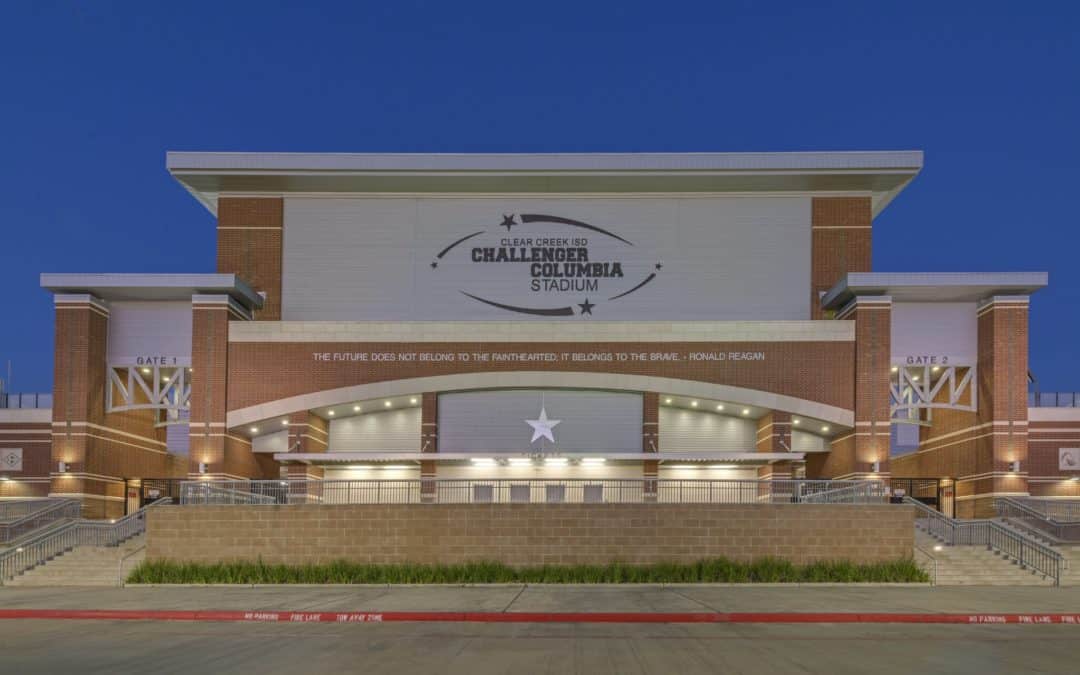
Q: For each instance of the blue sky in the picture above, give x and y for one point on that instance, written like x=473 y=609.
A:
x=95 y=93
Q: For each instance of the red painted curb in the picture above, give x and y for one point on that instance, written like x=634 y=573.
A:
x=537 y=617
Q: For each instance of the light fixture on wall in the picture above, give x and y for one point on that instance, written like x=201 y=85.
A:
x=555 y=461
x=1014 y=466
x=895 y=369
x=284 y=423
x=876 y=467
x=796 y=422
x=483 y=461
x=62 y=467
x=387 y=403
x=412 y=401
x=203 y=467
x=356 y=408
x=254 y=430
x=330 y=412
x=746 y=411
x=667 y=401
x=825 y=429
x=520 y=461
x=693 y=404
x=719 y=406
x=593 y=460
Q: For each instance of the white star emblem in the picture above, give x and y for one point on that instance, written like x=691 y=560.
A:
x=542 y=427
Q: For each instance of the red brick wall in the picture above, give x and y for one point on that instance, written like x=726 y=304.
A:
x=840 y=242
x=815 y=371
x=250 y=236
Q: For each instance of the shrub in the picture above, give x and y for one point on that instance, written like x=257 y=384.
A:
x=714 y=570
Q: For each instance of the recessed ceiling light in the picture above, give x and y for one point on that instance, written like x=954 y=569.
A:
x=254 y=430
x=935 y=369
x=746 y=411
x=667 y=400
x=356 y=408
x=520 y=461
x=145 y=370
x=329 y=412
x=719 y=406
x=593 y=460
x=558 y=461
x=915 y=378
x=483 y=461
x=693 y=404
x=387 y=404
x=412 y=401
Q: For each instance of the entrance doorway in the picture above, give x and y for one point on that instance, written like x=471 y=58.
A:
x=937 y=493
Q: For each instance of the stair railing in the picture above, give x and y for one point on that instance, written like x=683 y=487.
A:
x=1060 y=521
x=53 y=510
x=1025 y=550
x=81 y=532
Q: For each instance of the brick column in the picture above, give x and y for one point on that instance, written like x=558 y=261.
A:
x=650 y=442
x=250 y=232
x=79 y=372
x=1002 y=405
x=841 y=229
x=429 y=442
x=226 y=456
x=774 y=435
x=853 y=454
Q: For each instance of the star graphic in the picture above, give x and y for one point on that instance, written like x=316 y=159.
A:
x=586 y=307
x=659 y=265
x=434 y=264
x=542 y=427
x=508 y=221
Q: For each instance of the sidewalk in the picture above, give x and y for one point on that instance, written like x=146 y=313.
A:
x=509 y=600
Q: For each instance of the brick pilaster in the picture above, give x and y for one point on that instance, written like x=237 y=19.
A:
x=250 y=235
x=1002 y=369
x=774 y=435
x=841 y=229
x=853 y=454
x=429 y=442
x=650 y=441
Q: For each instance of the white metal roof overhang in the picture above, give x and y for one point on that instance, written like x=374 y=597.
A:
x=209 y=174
x=153 y=286
x=932 y=286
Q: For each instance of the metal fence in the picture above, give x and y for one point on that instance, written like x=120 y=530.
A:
x=8 y=400
x=1054 y=399
x=42 y=513
x=1027 y=552
x=38 y=550
x=537 y=491
x=10 y=509
x=1057 y=519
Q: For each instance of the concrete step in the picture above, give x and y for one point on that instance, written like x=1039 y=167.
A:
x=85 y=566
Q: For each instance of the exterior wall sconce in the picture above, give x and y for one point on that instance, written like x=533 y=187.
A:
x=202 y=467
x=1014 y=466
x=875 y=467
x=62 y=467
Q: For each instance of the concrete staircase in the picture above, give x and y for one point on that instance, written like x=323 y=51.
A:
x=87 y=566
x=972 y=565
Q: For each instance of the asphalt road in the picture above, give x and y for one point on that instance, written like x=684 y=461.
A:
x=29 y=647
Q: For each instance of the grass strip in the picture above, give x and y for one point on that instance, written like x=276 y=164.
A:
x=714 y=570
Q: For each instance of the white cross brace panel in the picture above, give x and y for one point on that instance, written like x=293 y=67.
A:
x=150 y=388
x=915 y=388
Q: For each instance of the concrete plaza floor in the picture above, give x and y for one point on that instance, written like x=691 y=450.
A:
x=46 y=646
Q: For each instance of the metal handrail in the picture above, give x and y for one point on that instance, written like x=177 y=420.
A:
x=1035 y=516
x=81 y=532
x=1058 y=510
x=17 y=508
x=526 y=490
x=1025 y=550
x=55 y=509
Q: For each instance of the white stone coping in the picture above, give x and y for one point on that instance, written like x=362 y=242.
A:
x=124 y=286
x=35 y=415
x=933 y=286
x=1049 y=414
x=542 y=331
x=281 y=408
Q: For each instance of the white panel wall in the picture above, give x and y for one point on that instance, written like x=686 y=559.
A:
x=372 y=473
x=178 y=436
x=150 y=329
x=389 y=431
x=369 y=259
x=608 y=470
x=494 y=421
x=935 y=329
x=689 y=430
x=804 y=442
x=668 y=472
x=271 y=443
